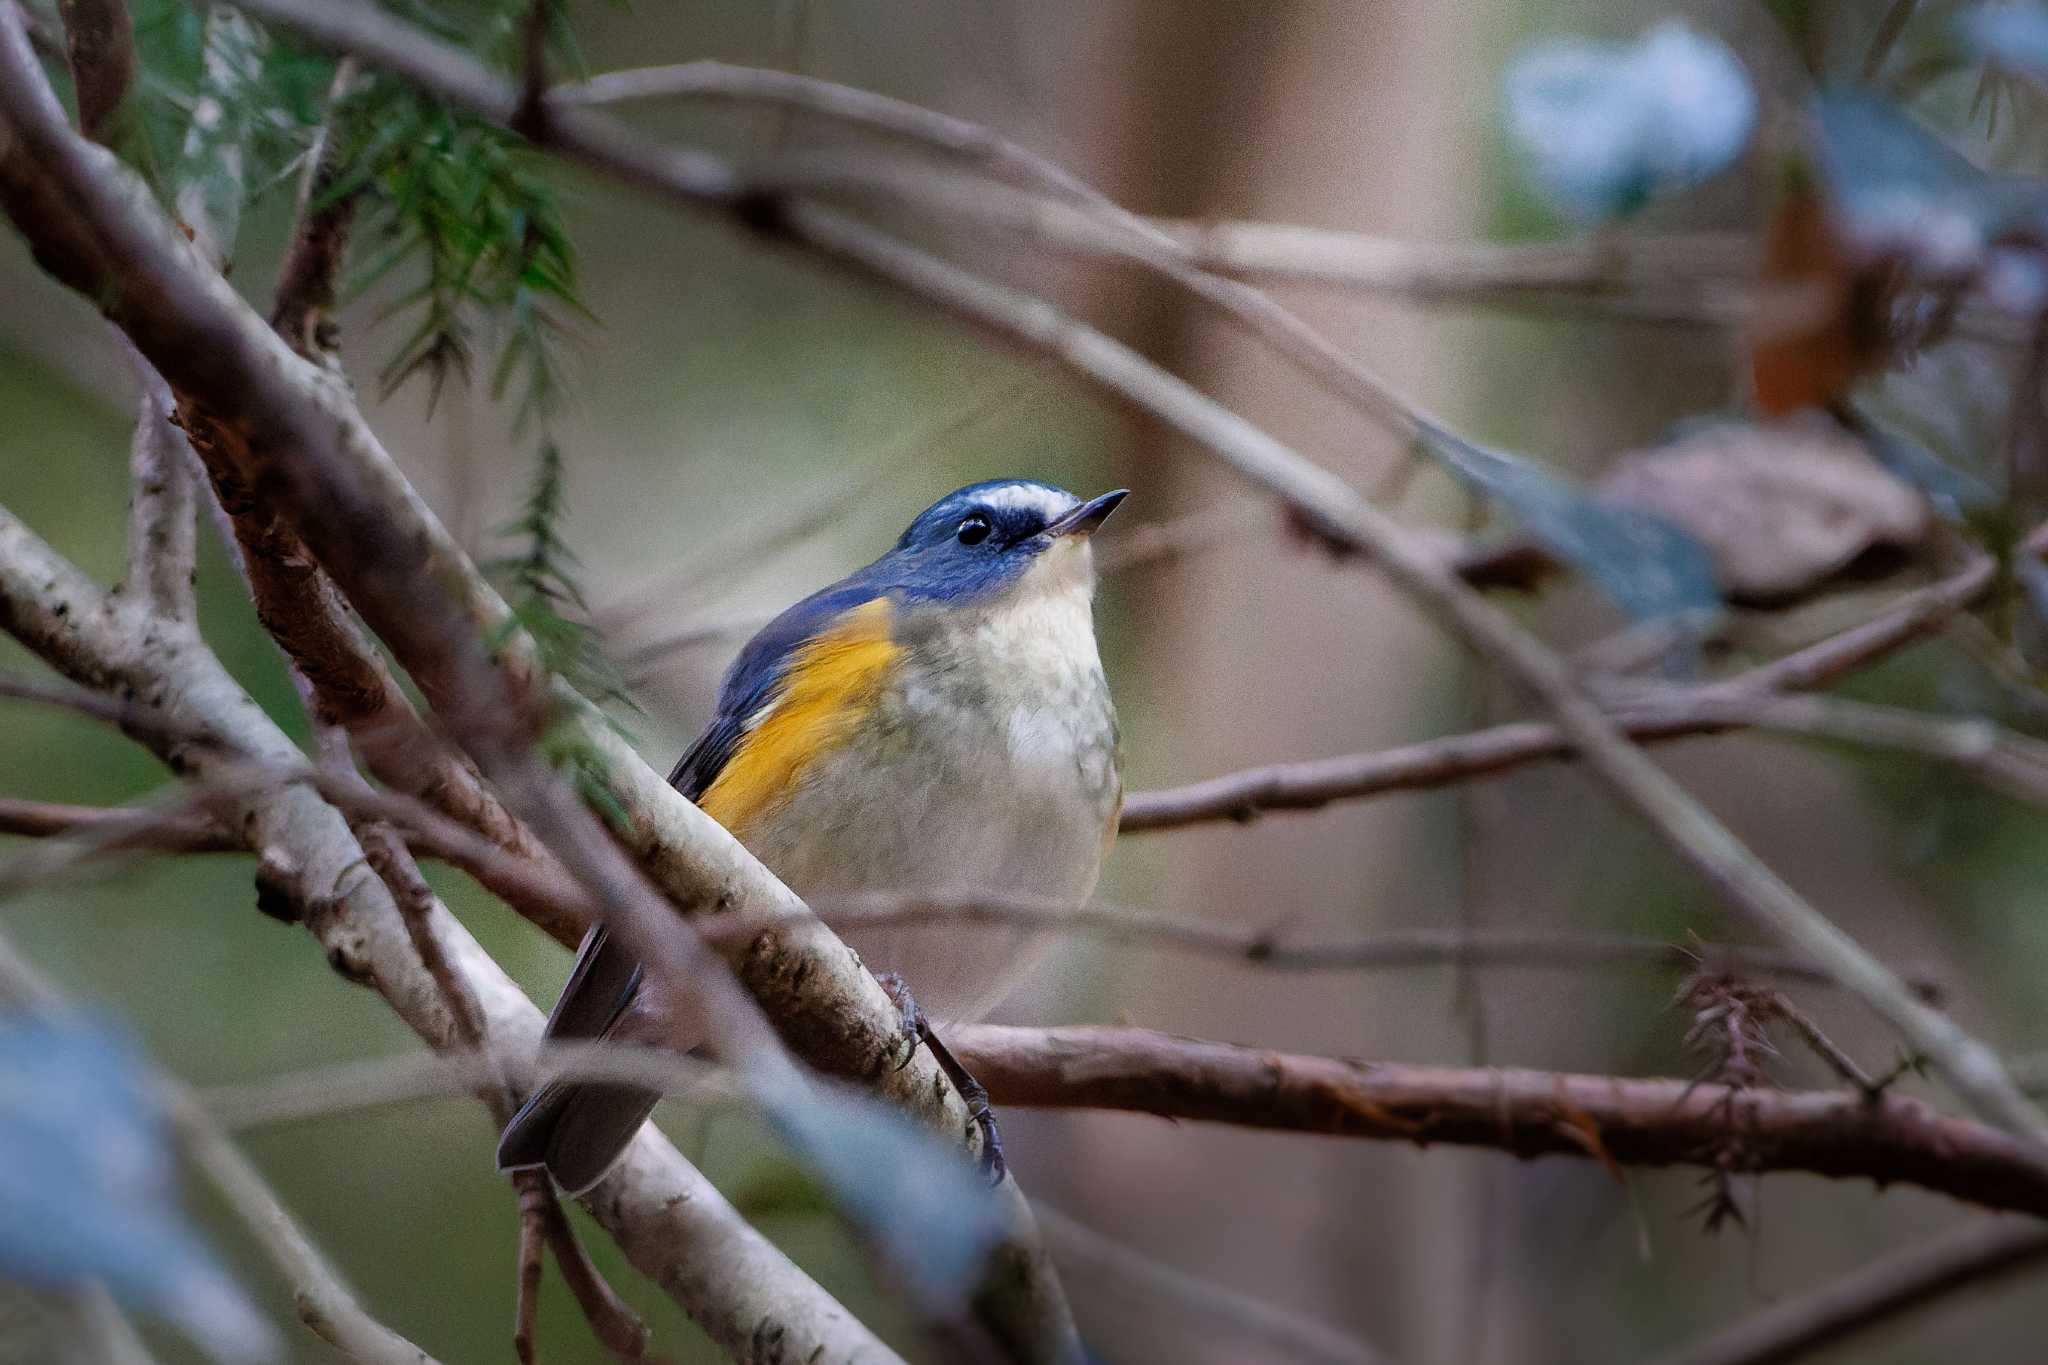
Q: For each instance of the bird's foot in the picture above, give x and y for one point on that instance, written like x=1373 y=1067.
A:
x=918 y=1029
x=915 y=1028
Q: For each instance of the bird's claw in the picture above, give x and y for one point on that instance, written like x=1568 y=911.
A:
x=915 y=1029
x=918 y=1030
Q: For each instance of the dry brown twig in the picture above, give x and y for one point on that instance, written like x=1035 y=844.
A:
x=1840 y=1133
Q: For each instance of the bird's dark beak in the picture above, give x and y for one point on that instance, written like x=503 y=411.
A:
x=1084 y=520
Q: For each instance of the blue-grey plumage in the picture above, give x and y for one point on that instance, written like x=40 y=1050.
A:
x=938 y=721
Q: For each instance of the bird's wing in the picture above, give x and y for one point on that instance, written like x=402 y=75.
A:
x=795 y=691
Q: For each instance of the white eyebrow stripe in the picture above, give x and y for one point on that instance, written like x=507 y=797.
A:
x=1029 y=497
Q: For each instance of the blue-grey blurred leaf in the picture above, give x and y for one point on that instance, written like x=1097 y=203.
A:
x=88 y=1189
x=1955 y=493
x=1646 y=565
x=2011 y=36
x=1897 y=190
x=1608 y=126
x=918 y=1200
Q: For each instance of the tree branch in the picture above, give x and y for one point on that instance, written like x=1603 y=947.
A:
x=1900 y=1284
x=1839 y=1134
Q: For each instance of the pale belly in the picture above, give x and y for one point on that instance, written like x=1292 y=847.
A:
x=938 y=795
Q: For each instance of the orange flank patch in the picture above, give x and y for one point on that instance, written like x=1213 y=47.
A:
x=831 y=685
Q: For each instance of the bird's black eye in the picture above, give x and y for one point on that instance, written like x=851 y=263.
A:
x=974 y=529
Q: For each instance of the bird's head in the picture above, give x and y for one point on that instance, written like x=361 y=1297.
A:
x=989 y=541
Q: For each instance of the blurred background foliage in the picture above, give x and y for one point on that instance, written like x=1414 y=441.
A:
x=705 y=394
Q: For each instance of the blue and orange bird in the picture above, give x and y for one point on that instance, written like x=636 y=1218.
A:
x=937 y=722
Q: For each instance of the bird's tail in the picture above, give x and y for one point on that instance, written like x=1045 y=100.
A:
x=576 y=1129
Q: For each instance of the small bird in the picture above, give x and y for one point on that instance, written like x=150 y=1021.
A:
x=937 y=722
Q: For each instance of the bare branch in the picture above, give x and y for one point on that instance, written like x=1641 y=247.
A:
x=117 y=824
x=1273 y=950
x=960 y=139
x=99 y=44
x=2000 y=758
x=1903 y=1283
x=110 y=1336
x=1836 y=1133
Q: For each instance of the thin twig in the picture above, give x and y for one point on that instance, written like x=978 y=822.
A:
x=1270 y=949
x=617 y=1327
x=308 y=281
x=2000 y=758
x=960 y=139
x=1902 y=1283
x=1276 y=1334
x=528 y=1261
x=115 y=826
x=375 y=1083
x=108 y=1335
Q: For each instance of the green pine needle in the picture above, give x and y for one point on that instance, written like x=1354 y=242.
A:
x=539 y=582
